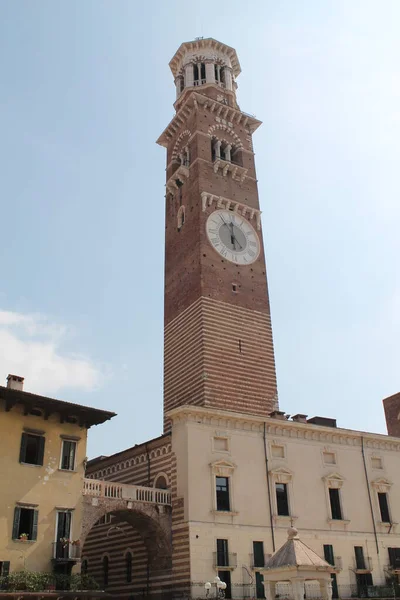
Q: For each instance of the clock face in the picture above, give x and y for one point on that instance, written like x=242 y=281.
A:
x=233 y=237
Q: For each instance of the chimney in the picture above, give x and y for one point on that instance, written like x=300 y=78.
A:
x=392 y=414
x=14 y=382
x=300 y=418
x=278 y=414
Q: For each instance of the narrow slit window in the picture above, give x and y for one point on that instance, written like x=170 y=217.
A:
x=384 y=507
x=336 y=509
x=282 y=500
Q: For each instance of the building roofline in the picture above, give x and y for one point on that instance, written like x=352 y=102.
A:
x=86 y=415
x=200 y=43
x=136 y=447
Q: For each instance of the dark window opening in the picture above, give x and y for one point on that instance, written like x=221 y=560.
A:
x=384 y=507
x=105 y=570
x=203 y=70
x=25 y=524
x=335 y=590
x=222 y=75
x=336 y=509
x=161 y=483
x=282 y=501
x=181 y=84
x=195 y=72
x=222 y=553
x=364 y=580
x=36 y=412
x=32 y=449
x=4 y=569
x=234 y=287
x=68 y=455
x=128 y=562
x=84 y=566
x=213 y=150
x=179 y=183
x=328 y=554
x=258 y=554
x=225 y=576
x=359 y=554
x=222 y=487
x=260 y=591
x=394 y=557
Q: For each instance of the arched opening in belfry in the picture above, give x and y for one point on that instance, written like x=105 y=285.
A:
x=127 y=552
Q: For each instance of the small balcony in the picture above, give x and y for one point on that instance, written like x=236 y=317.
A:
x=225 y=560
x=362 y=564
x=259 y=562
x=66 y=551
x=394 y=566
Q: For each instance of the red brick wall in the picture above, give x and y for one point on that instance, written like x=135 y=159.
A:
x=392 y=412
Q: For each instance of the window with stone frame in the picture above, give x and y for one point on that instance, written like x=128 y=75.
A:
x=32 y=448
x=281 y=480
x=334 y=483
x=382 y=488
x=222 y=477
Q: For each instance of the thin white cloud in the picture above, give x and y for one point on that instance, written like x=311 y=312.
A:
x=32 y=346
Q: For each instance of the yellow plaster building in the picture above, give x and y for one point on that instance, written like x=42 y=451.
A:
x=42 y=464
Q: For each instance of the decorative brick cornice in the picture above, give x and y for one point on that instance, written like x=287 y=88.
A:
x=229 y=420
x=208 y=199
x=228 y=113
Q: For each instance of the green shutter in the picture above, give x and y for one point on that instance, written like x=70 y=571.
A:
x=17 y=516
x=5 y=568
x=34 y=525
x=41 y=451
x=22 y=451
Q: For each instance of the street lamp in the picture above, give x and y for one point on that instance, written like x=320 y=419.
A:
x=220 y=587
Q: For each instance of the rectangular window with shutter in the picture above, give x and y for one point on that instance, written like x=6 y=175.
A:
x=384 y=507
x=336 y=508
x=68 y=453
x=32 y=449
x=258 y=554
x=4 y=568
x=328 y=554
x=25 y=523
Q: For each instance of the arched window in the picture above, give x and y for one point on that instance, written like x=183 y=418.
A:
x=181 y=217
x=128 y=564
x=105 y=570
x=84 y=566
x=161 y=483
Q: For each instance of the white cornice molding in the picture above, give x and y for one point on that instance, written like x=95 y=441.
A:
x=229 y=420
x=194 y=100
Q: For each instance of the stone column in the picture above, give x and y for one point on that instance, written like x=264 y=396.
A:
x=228 y=78
x=269 y=588
x=326 y=588
x=210 y=77
x=228 y=149
x=189 y=75
x=218 y=149
x=297 y=588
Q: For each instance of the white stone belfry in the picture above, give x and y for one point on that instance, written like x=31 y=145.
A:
x=296 y=563
x=204 y=61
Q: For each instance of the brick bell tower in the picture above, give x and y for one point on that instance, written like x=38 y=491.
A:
x=218 y=348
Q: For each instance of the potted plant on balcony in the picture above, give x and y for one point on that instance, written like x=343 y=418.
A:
x=23 y=537
x=64 y=542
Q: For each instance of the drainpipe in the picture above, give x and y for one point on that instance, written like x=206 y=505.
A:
x=269 y=488
x=369 y=495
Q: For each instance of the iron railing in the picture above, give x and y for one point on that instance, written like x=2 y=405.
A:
x=225 y=559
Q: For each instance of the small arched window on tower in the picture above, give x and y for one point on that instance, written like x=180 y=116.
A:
x=105 y=570
x=181 y=217
x=181 y=84
x=128 y=565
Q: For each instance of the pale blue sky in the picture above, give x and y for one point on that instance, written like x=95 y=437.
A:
x=85 y=92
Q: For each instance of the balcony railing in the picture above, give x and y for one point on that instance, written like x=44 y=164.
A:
x=199 y=82
x=259 y=562
x=66 y=551
x=124 y=491
x=225 y=560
